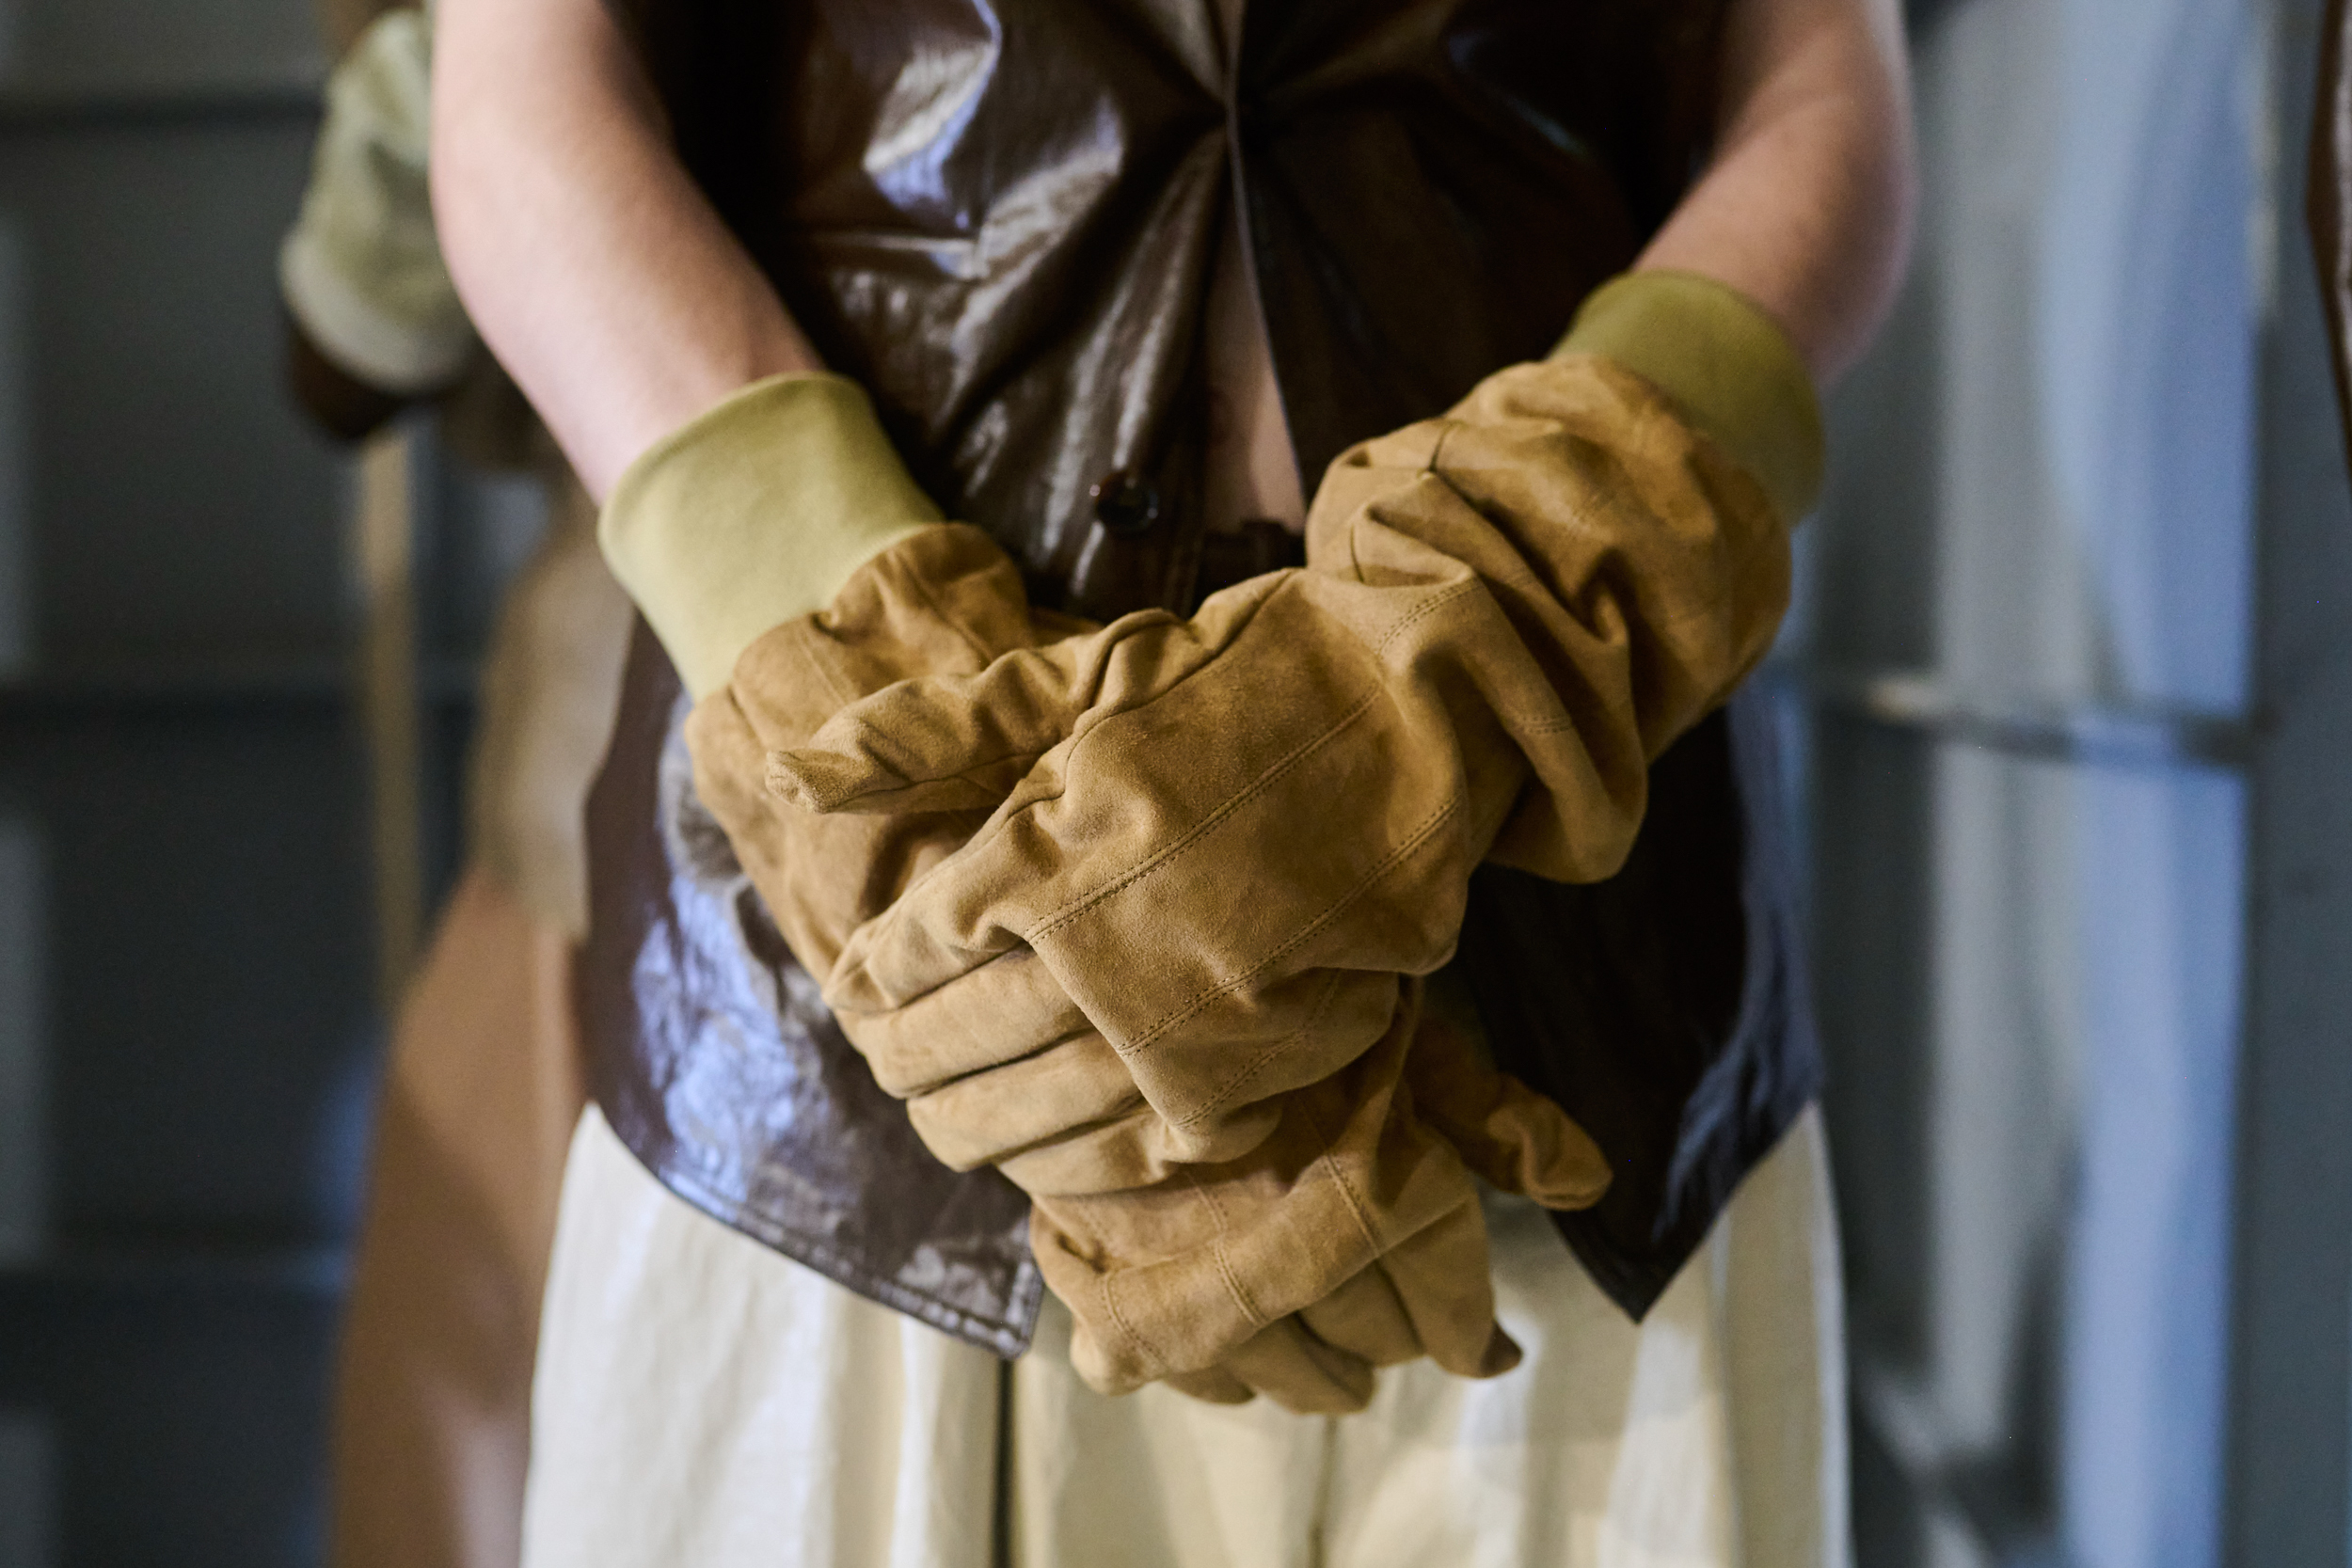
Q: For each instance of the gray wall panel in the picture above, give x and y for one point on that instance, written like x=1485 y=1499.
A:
x=114 y=45
x=178 y=506
x=209 y=980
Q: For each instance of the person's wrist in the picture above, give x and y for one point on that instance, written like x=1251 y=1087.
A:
x=754 y=513
x=1726 y=365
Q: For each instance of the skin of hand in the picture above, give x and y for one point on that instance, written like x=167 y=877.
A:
x=603 y=281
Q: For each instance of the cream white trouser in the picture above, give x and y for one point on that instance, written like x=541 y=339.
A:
x=702 y=1402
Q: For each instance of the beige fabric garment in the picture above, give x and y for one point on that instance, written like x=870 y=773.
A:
x=701 y=1399
x=431 y=1405
x=549 y=688
x=479 y=1099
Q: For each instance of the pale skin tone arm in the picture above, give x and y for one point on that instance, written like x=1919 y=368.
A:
x=592 y=264
x=604 y=282
x=1806 y=208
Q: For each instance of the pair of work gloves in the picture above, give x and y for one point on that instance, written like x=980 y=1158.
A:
x=1140 y=913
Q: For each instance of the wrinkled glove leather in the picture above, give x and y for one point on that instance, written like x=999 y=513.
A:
x=1237 y=828
x=1240 y=829
x=944 y=600
x=1357 y=1169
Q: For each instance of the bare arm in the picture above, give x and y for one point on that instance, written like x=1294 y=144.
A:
x=602 y=278
x=589 y=260
x=1807 y=206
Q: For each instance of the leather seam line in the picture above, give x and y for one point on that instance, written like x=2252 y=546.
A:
x=1265 y=782
x=1347 y=1195
x=1281 y=1048
x=1402 y=852
x=1251 y=1312
x=1423 y=610
x=964 y=634
x=1145 y=1348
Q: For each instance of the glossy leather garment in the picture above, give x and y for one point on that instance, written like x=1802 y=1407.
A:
x=1002 y=218
x=2329 y=195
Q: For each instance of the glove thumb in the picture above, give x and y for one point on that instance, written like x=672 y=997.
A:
x=1515 y=1139
x=937 y=742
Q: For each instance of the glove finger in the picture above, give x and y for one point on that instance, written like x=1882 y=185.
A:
x=1132 y=1325
x=1025 y=1110
x=1210 y=1385
x=997 y=1012
x=1544 y=1153
x=1366 y=1317
x=1301 y=1373
x=938 y=742
x=1444 y=1280
x=1516 y=1139
x=1122 y=1152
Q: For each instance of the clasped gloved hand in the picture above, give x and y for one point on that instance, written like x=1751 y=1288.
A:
x=1237 y=831
x=1362 y=1180
x=784 y=491
x=1244 y=1235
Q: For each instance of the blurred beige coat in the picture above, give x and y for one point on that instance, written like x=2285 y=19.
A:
x=482 y=1086
x=481 y=1095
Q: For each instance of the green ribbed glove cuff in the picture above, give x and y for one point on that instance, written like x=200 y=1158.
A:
x=1722 y=361
x=754 y=513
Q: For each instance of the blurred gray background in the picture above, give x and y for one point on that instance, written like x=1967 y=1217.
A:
x=189 y=1017
x=2068 y=696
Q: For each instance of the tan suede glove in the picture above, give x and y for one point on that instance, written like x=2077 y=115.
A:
x=756 y=510
x=1239 y=827
x=1554 y=582
x=1366 y=1169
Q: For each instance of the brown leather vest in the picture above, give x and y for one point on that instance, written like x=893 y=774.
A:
x=1002 y=218
x=2327 y=195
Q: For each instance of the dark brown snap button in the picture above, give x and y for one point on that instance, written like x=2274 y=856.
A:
x=1125 y=502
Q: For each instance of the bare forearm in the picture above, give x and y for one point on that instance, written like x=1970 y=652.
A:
x=590 y=261
x=1807 y=206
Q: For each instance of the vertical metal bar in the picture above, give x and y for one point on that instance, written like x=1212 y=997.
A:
x=2291 y=1430
x=24 y=1070
x=29 y=1491
x=385 y=552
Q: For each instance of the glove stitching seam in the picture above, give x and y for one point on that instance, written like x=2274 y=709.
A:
x=1402 y=852
x=932 y=602
x=1347 y=1195
x=1144 y=1348
x=1427 y=608
x=1250 y=1311
x=1267 y=780
x=835 y=687
x=1323 y=1004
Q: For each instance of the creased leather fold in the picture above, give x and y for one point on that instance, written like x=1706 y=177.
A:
x=1229 y=844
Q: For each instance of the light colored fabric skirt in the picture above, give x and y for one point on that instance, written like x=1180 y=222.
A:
x=702 y=1401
